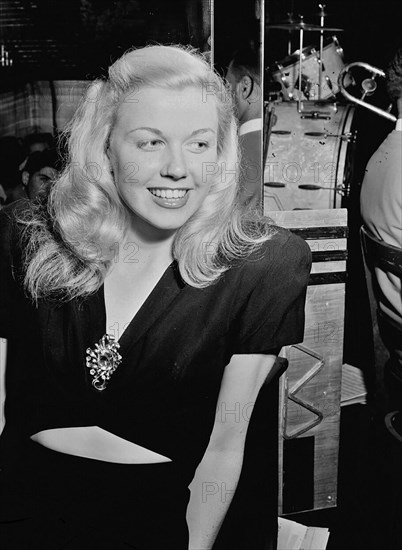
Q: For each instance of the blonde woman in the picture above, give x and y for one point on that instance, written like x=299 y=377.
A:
x=136 y=299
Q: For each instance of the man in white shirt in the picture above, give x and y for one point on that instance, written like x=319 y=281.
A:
x=244 y=77
x=381 y=210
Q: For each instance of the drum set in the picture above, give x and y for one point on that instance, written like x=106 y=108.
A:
x=302 y=75
x=309 y=73
x=308 y=134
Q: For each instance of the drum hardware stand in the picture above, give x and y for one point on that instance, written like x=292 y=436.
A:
x=281 y=132
x=320 y=67
x=274 y=184
x=340 y=189
x=312 y=114
x=299 y=99
x=316 y=115
x=349 y=136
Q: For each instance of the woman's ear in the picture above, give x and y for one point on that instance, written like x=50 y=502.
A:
x=25 y=178
x=246 y=86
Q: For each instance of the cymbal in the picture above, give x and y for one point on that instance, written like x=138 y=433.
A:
x=303 y=26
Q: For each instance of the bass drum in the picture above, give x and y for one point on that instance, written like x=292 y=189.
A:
x=309 y=160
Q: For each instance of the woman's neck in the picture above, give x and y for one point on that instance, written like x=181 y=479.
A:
x=147 y=245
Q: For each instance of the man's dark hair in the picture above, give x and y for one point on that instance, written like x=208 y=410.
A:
x=394 y=76
x=39 y=159
x=246 y=62
x=38 y=137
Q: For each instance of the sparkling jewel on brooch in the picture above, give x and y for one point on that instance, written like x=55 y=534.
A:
x=103 y=361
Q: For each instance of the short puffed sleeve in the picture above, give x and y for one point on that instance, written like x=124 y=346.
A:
x=275 y=280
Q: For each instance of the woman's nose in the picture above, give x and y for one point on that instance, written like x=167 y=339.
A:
x=175 y=165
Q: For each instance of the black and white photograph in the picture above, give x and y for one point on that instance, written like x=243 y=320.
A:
x=200 y=275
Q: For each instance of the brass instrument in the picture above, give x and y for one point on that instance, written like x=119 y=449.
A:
x=368 y=85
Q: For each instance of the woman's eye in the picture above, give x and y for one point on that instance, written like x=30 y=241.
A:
x=150 y=144
x=199 y=146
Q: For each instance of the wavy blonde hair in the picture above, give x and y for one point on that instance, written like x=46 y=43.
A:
x=69 y=240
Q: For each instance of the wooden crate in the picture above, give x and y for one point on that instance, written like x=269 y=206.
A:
x=309 y=409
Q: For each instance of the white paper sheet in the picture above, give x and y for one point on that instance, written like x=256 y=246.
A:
x=353 y=389
x=296 y=536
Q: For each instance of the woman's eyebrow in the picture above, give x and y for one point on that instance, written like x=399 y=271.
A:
x=148 y=128
x=202 y=131
x=159 y=133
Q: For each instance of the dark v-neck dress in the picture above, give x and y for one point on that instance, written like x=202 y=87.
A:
x=162 y=396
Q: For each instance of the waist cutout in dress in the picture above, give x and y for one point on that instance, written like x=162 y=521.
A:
x=96 y=443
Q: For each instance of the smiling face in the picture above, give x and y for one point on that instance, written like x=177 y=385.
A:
x=159 y=149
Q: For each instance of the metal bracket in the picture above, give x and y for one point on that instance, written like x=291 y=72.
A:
x=292 y=395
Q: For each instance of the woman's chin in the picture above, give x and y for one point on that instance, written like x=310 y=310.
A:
x=156 y=229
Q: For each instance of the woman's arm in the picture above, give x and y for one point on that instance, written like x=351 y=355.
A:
x=217 y=475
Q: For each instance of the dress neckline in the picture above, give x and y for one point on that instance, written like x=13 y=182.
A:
x=122 y=336
x=155 y=305
x=164 y=291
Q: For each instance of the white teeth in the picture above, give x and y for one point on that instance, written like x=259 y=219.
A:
x=169 y=193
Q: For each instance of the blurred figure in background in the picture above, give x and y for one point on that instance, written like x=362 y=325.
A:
x=36 y=141
x=40 y=170
x=14 y=154
x=381 y=210
x=11 y=156
x=244 y=77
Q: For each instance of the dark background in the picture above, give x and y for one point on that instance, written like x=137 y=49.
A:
x=372 y=30
x=78 y=39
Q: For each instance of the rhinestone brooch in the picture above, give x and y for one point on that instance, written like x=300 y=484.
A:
x=103 y=361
